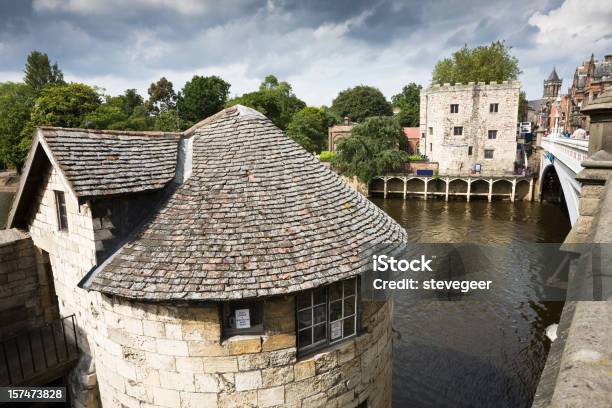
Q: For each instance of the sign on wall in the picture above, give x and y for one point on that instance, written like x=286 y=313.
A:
x=243 y=319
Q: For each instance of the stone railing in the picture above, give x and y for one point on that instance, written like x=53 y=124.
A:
x=571 y=152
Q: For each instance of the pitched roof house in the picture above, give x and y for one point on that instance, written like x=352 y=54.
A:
x=219 y=266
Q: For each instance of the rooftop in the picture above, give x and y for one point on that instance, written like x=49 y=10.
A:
x=258 y=216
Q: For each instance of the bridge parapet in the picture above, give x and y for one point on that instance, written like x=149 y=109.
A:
x=571 y=152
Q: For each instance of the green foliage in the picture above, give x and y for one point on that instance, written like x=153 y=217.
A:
x=202 y=97
x=326 y=156
x=483 y=63
x=123 y=112
x=361 y=102
x=409 y=102
x=161 y=96
x=372 y=149
x=522 y=109
x=169 y=121
x=416 y=157
x=39 y=72
x=64 y=105
x=309 y=127
x=16 y=102
x=274 y=99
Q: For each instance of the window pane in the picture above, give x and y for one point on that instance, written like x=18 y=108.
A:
x=349 y=306
x=349 y=287
x=335 y=310
x=319 y=333
x=319 y=314
x=304 y=338
x=319 y=296
x=305 y=318
x=335 y=291
x=349 y=326
x=335 y=330
x=303 y=300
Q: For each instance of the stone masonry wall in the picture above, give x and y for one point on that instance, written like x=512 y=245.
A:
x=152 y=355
x=25 y=298
x=72 y=254
x=452 y=152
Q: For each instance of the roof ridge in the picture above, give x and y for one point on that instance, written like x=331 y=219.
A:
x=113 y=132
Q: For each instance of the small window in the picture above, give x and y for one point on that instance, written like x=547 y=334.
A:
x=60 y=207
x=244 y=317
x=488 y=153
x=458 y=130
x=494 y=108
x=431 y=147
x=492 y=134
x=454 y=108
x=431 y=131
x=469 y=150
x=326 y=315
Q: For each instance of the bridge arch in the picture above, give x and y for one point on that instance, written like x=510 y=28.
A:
x=550 y=185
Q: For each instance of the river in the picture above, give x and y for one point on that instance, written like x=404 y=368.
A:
x=487 y=353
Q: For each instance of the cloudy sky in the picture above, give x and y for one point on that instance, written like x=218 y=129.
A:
x=319 y=46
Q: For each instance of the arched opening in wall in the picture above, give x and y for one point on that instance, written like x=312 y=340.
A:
x=415 y=186
x=395 y=187
x=479 y=188
x=436 y=187
x=502 y=189
x=377 y=187
x=522 y=190
x=457 y=186
x=550 y=187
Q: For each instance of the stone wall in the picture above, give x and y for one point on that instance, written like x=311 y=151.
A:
x=72 y=254
x=26 y=299
x=452 y=152
x=157 y=355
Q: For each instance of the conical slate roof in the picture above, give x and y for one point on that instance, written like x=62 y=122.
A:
x=553 y=75
x=258 y=216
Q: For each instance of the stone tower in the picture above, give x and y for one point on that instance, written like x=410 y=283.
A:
x=552 y=85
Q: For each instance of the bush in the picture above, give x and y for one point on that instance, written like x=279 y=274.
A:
x=326 y=156
x=416 y=157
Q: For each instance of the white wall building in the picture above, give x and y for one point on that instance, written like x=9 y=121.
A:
x=466 y=127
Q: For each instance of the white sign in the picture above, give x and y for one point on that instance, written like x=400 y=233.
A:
x=243 y=319
x=525 y=127
x=336 y=329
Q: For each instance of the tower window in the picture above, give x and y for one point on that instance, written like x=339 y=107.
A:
x=454 y=108
x=494 y=108
x=458 y=130
x=492 y=134
x=469 y=150
x=488 y=153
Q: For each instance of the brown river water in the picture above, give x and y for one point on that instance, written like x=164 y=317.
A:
x=487 y=353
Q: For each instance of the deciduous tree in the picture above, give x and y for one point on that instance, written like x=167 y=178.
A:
x=16 y=102
x=161 y=96
x=483 y=63
x=309 y=127
x=408 y=101
x=373 y=147
x=202 y=97
x=361 y=102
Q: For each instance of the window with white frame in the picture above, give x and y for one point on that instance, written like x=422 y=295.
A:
x=326 y=315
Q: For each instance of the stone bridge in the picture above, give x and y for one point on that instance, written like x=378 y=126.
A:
x=561 y=160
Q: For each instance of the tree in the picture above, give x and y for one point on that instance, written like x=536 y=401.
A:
x=39 y=72
x=308 y=127
x=122 y=112
x=274 y=99
x=373 y=148
x=161 y=96
x=480 y=64
x=64 y=105
x=361 y=102
x=408 y=101
x=202 y=97
x=169 y=121
x=16 y=103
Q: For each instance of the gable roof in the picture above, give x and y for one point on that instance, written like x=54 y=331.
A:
x=258 y=216
x=99 y=162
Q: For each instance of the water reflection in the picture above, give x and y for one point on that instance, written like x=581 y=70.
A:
x=474 y=353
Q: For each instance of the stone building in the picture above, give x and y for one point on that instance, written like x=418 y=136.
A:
x=590 y=80
x=215 y=267
x=470 y=128
x=338 y=132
